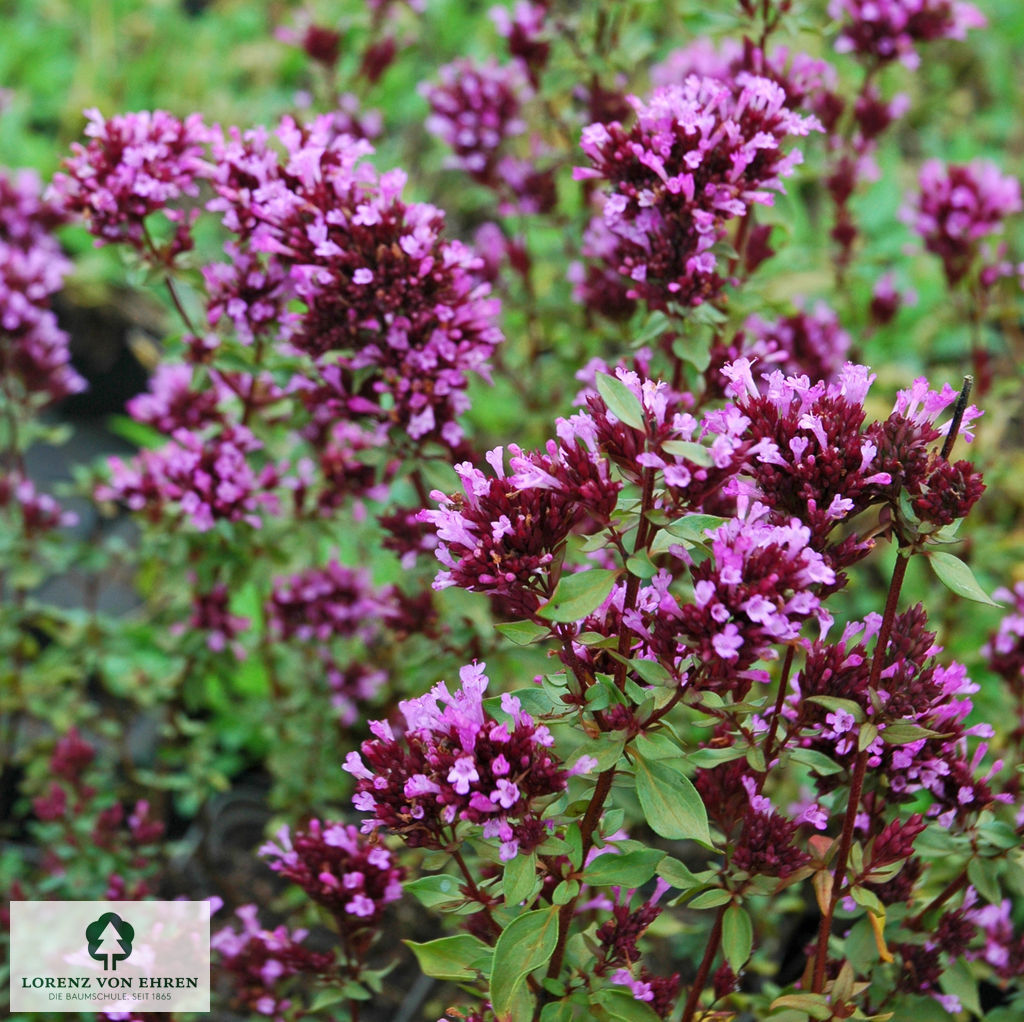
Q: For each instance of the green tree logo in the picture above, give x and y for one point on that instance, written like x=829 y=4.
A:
x=110 y=939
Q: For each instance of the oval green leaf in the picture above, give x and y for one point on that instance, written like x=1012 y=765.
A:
x=630 y=869
x=737 y=937
x=957 y=576
x=527 y=943
x=670 y=802
x=621 y=401
x=578 y=595
x=456 y=958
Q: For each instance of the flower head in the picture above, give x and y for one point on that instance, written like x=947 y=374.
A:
x=260 y=961
x=699 y=154
x=958 y=205
x=137 y=164
x=339 y=869
x=457 y=764
x=33 y=349
x=886 y=30
x=500 y=534
x=396 y=311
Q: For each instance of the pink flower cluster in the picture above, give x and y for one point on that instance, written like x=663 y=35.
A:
x=810 y=342
x=699 y=155
x=914 y=689
x=808 y=82
x=884 y=30
x=211 y=616
x=475 y=108
x=321 y=604
x=618 y=953
x=755 y=592
x=36 y=512
x=198 y=480
x=1005 y=649
x=396 y=309
x=251 y=294
x=476 y=111
x=500 y=534
x=458 y=764
x=957 y=206
x=764 y=841
x=174 y=401
x=137 y=164
x=353 y=879
x=813 y=458
x=695 y=457
x=523 y=29
x=258 y=960
x=33 y=349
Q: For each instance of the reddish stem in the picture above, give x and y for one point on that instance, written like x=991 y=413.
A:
x=714 y=939
x=956 y=884
x=773 y=728
x=857 y=780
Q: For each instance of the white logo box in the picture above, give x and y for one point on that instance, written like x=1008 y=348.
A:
x=135 y=956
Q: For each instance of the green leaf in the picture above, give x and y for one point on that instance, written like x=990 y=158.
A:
x=956 y=979
x=737 y=936
x=984 y=876
x=522 y=633
x=565 y=892
x=695 y=349
x=837 y=703
x=621 y=1004
x=606 y=749
x=999 y=834
x=704 y=759
x=621 y=401
x=714 y=898
x=867 y=734
x=902 y=732
x=527 y=943
x=814 y=1005
x=520 y=878
x=557 y=1011
x=653 y=327
x=456 y=958
x=651 y=671
x=326 y=998
x=692 y=528
x=868 y=899
x=630 y=869
x=817 y=761
x=678 y=874
x=957 y=576
x=641 y=566
x=137 y=433
x=670 y=802
x=697 y=453
x=658 y=745
x=578 y=595
x=434 y=890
